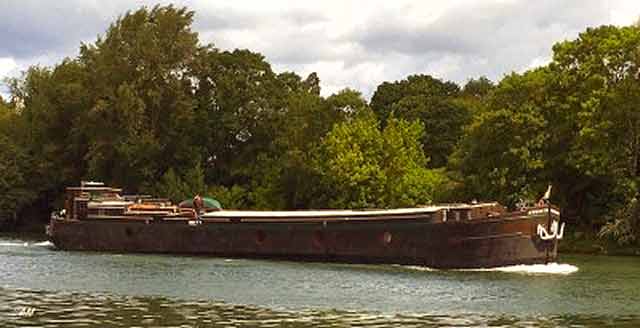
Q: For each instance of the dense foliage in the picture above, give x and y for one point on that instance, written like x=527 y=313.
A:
x=149 y=108
x=370 y=167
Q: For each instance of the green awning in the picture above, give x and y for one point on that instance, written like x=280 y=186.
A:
x=207 y=201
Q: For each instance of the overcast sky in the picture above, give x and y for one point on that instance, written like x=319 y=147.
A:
x=356 y=44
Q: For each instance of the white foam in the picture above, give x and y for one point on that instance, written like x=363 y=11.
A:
x=14 y=244
x=45 y=243
x=550 y=268
x=416 y=267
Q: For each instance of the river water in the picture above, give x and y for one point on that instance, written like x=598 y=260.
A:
x=43 y=287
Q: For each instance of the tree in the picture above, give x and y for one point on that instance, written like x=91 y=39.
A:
x=15 y=188
x=598 y=75
x=5 y=115
x=238 y=101
x=179 y=187
x=444 y=121
x=347 y=103
x=477 y=88
x=600 y=72
x=49 y=103
x=502 y=154
x=431 y=101
x=286 y=178
x=475 y=95
x=363 y=166
x=141 y=105
x=387 y=94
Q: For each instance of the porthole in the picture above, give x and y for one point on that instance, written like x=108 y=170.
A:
x=387 y=238
x=318 y=238
x=260 y=237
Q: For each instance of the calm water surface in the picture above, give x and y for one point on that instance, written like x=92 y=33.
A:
x=42 y=287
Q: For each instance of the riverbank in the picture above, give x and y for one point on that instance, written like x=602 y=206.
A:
x=26 y=227
x=588 y=242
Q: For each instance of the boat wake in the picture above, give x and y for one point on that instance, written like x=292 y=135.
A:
x=45 y=243
x=550 y=268
x=14 y=244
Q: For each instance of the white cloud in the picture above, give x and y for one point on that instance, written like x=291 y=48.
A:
x=7 y=66
x=537 y=62
x=356 y=44
x=624 y=12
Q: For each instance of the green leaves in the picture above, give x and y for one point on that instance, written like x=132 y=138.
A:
x=503 y=153
x=179 y=187
x=15 y=188
x=599 y=76
x=431 y=101
x=141 y=105
x=364 y=166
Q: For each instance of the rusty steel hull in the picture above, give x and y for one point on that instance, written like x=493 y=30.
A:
x=454 y=244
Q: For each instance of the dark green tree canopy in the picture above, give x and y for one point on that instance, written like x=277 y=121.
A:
x=140 y=96
x=502 y=154
x=477 y=88
x=434 y=103
x=388 y=94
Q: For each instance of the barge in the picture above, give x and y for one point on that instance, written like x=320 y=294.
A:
x=447 y=236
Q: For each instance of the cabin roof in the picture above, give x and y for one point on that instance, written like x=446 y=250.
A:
x=334 y=213
x=107 y=189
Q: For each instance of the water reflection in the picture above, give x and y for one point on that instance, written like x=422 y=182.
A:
x=60 y=309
